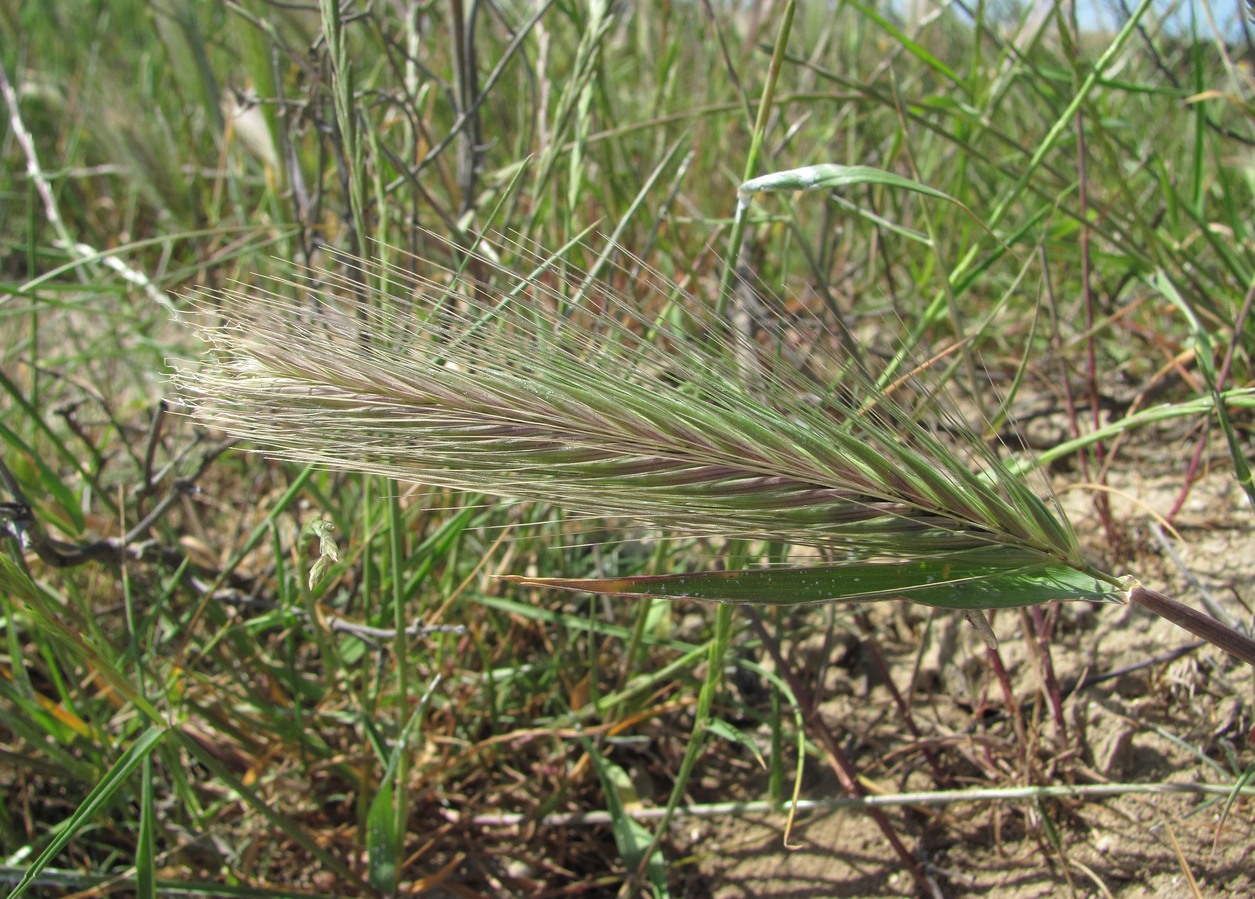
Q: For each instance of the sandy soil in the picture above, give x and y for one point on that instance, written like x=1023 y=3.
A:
x=1174 y=719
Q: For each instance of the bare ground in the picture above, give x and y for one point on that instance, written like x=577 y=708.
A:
x=1148 y=716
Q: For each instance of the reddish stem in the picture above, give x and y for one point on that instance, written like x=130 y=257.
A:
x=1197 y=623
x=842 y=765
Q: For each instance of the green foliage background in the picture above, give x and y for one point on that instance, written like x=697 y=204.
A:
x=237 y=737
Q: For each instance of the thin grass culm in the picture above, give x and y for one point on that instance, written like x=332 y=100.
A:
x=665 y=416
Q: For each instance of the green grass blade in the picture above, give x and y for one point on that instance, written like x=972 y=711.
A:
x=385 y=819
x=634 y=842
x=977 y=580
x=1240 y=785
x=916 y=49
x=146 y=846
x=383 y=840
x=1204 y=354
x=830 y=176
x=49 y=615
x=716 y=654
x=112 y=781
x=757 y=136
x=293 y=829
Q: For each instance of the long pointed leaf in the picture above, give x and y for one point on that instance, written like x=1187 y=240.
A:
x=99 y=797
x=960 y=582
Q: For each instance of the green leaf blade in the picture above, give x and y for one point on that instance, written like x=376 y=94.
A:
x=991 y=579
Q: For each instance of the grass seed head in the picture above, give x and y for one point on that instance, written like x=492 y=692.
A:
x=605 y=407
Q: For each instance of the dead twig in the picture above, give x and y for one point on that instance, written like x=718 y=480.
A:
x=19 y=519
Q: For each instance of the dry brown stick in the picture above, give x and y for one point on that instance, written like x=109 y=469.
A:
x=25 y=527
